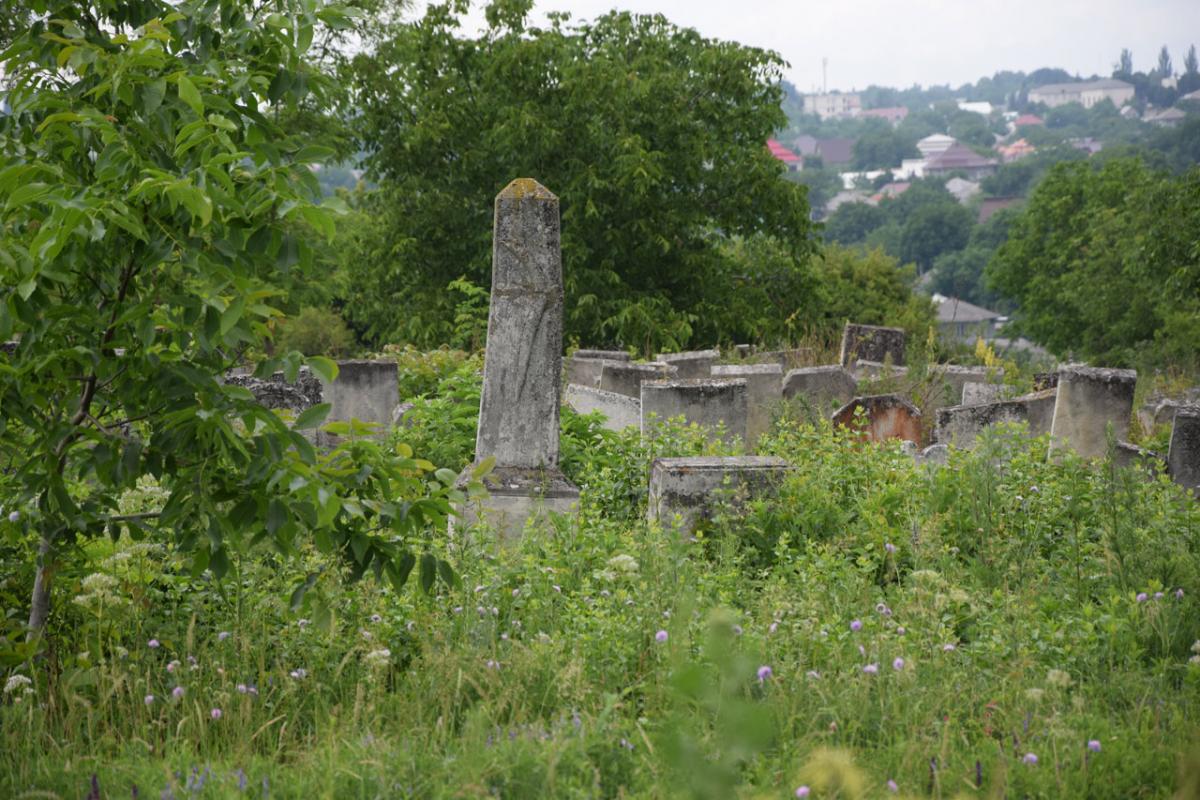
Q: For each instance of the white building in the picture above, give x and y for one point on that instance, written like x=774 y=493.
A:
x=976 y=107
x=935 y=144
x=833 y=104
x=1086 y=93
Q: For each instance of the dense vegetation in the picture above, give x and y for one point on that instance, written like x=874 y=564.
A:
x=1008 y=625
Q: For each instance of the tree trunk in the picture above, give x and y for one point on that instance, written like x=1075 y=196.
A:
x=39 y=607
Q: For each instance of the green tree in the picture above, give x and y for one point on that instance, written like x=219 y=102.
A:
x=152 y=201
x=853 y=223
x=881 y=147
x=932 y=230
x=1164 y=69
x=871 y=287
x=971 y=128
x=651 y=136
x=1104 y=265
x=1124 y=66
x=1191 y=66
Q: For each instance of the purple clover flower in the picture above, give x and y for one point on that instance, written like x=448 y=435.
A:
x=889 y=547
x=802 y=791
x=177 y=692
x=153 y=644
x=1142 y=597
x=898 y=664
x=871 y=669
x=892 y=786
x=661 y=637
x=1094 y=745
x=856 y=625
x=215 y=713
x=1031 y=759
x=764 y=672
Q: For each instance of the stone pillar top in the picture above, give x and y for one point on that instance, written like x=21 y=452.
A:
x=526 y=189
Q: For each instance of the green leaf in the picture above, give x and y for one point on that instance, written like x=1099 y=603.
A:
x=311 y=417
x=152 y=95
x=302 y=589
x=313 y=154
x=325 y=368
x=277 y=516
x=447 y=574
x=189 y=94
x=428 y=572
x=27 y=194
x=403 y=569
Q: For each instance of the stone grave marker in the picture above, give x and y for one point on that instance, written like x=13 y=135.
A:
x=872 y=343
x=708 y=402
x=522 y=369
x=820 y=387
x=764 y=388
x=1183 y=457
x=683 y=491
x=692 y=364
x=1089 y=398
x=888 y=416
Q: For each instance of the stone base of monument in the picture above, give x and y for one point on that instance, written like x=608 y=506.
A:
x=1089 y=400
x=516 y=495
x=683 y=491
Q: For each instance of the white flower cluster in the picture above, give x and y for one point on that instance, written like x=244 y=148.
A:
x=17 y=682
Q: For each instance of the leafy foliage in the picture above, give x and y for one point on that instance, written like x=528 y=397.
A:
x=1104 y=264
x=651 y=136
x=152 y=207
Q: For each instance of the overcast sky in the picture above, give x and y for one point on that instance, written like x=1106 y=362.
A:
x=893 y=43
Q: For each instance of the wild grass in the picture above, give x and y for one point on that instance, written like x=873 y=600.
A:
x=939 y=629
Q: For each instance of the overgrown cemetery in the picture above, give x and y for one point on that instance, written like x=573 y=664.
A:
x=570 y=550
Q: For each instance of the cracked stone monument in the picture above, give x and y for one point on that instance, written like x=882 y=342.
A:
x=522 y=368
x=872 y=343
x=764 y=387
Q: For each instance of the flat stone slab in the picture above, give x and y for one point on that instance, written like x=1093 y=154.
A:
x=691 y=364
x=364 y=390
x=1089 y=400
x=974 y=393
x=872 y=343
x=961 y=425
x=627 y=379
x=877 y=370
x=584 y=366
x=684 y=491
x=517 y=496
x=708 y=402
x=764 y=387
x=620 y=411
x=888 y=416
x=1183 y=457
x=820 y=387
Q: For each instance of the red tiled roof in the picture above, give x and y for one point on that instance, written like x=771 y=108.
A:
x=782 y=153
x=1028 y=119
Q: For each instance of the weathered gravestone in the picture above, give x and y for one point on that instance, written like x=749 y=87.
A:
x=522 y=368
x=692 y=364
x=684 y=491
x=583 y=367
x=764 y=389
x=620 y=411
x=884 y=416
x=820 y=387
x=872 y=343
x=975 y=393
x=962 y=425
x=1089 y=399
x=707 y=402
x=1183 y=458
x=627 y=379
x=367 y=391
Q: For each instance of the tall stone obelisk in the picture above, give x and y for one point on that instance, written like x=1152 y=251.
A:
x=522 y=368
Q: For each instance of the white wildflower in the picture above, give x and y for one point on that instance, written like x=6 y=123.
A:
x=378 y=658
x=16 y=682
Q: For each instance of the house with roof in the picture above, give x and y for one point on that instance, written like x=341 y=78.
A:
x=1165 y=118
x=791 y=161
x=1086 y=93
x=848 y=196
x=958 y=319
x=934 y=144
x=981 y=107
x=894 y=115
x=990 y=205
x=890 y=190
x=960 y=158
x=1028 y=121
x=805 y=145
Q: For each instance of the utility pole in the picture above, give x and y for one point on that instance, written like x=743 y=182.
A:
x=824 y=74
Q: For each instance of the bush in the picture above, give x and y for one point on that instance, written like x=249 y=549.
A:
x=316 y=332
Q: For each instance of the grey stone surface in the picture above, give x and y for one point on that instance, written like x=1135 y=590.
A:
x=366 y=391
x=627 y=379
x=519 y=404
x=954 y=377
x=399 y=412
x=1045 y=380
x=877 y=371
x=620 y=411
x=684 y=491
x=975 y=393
x=743 y=350
x=822 y=388
x=1161 y=411
x=584 y=366
x=872 y=343
x=961 y=425
x=1039 y=409
x=1089 y=399
x=1183 y=457
x=764 y=389
x=708 y=402
x=937 y=454
x=276 y=393
x=692 y=364
x=787 y=359
x=1126 y=455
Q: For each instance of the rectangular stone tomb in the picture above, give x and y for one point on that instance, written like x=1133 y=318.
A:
x=961 y=425
x=952 y=378
x=820 y=387
x=1089 y=400
x=367 y=391
x=684 y=491
x=1039 y=407
x=627 y=379
x=709 y=403
x=584 y=366
x=975 y=393
x=692 y=364
x=764 y=388
x=620 y=411
x=1183 y=457
x=522 y=368
x=787 y=359
x=872 y=343
x=884 y=416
